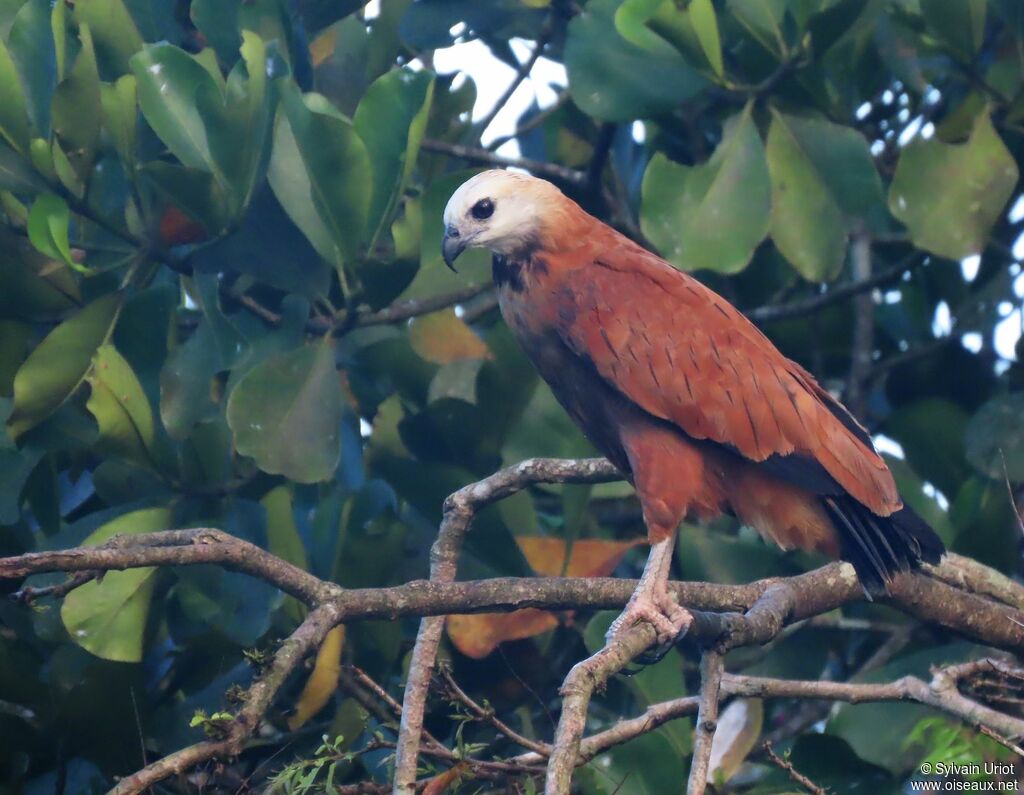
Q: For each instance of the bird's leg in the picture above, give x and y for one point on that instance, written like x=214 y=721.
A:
x=651 y=601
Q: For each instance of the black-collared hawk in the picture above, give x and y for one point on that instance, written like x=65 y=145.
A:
x=686 y=397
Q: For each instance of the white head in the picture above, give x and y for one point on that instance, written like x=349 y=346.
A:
x=503 y=211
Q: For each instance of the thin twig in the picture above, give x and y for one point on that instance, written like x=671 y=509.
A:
x=487 y=715
x=521 y=74
x=532 y=123
x=792 y=772
x=807 y=306
x=476 y=154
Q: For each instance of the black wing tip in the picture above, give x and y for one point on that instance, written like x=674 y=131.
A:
x=880 y=547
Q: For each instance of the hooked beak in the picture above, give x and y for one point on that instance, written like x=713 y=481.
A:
x=452 y=245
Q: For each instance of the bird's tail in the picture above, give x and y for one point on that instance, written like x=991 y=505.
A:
x=882 y=546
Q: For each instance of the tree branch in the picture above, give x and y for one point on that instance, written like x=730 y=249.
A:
x=959 y=594
x=459 y=510
x=476 y=154
x=711 y=667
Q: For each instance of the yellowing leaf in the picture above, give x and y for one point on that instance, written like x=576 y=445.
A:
x=477 y=636
x=442 y=338
x=108 y=617
x=120 y=407
x=323 y=681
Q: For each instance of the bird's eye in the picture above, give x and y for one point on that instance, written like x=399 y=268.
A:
x=483 y=209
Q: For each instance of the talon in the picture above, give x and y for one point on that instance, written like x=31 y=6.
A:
x=669 y=620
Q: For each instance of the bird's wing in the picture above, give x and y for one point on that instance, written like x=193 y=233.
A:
x=685 y=355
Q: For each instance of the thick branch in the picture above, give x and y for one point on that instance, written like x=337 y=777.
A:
x=579 y=686
x=459 y=510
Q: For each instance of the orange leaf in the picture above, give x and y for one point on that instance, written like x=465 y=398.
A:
x=441 y=337
x=591 y=557
x=442 y=782
x=477 y=636
x=322 y=47
x=177 y=229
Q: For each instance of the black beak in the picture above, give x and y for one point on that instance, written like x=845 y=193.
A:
x=452 y=246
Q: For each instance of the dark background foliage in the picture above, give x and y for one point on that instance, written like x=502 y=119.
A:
x=214 y=215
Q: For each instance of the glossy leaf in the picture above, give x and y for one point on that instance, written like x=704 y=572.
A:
x=286 y=414
x=59 y=364
x=117 y=38
x=702 y=15
x=121 y=408
x=994 y=438
x=609 y=77
x=823 y=184
x=390 y=120
x=77 y=111
x=319 y=170
x=120 y=116
x=711 y=216
x=950 y=195
x=31 y=47
x=48 y=228
x=14 y=125
x=108 y=618
x=172 y=89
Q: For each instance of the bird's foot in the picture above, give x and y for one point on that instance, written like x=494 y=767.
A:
x=659 y=609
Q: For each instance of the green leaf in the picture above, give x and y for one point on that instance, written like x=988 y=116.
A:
x=283 y=539
x=174 y=91
x=77 y=111
x=932 y=432
x=116 y=37
x=611 y=78
x=48 y=228
x=239 y=143
x=959 y=25
x=434 y=276
x=15 y=173
x=702 y=15
x=120 y=116
x=821 y=176
x=390 y=120
x=31 y=47
x=319 y=170
x=994 y=439
x=286 y=414
x=192 y=190
x=950 y=195
x=58 y=365
x=108 y=618
x=710 y=216
x=14 y=125
x=121 y=409
x=648 y=765
x=763 y=20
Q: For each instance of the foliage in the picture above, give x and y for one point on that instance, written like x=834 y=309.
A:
x=207 y=210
